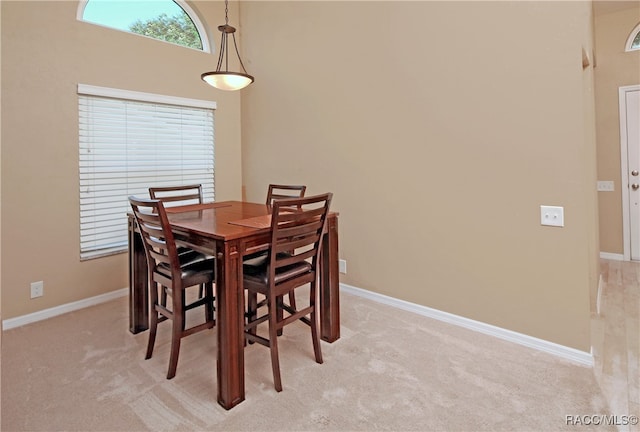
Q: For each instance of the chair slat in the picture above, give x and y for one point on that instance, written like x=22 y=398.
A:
x=181 y=194
x=303 y=256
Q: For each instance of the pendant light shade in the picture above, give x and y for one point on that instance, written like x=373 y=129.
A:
x=222 y=78
x=227 y=80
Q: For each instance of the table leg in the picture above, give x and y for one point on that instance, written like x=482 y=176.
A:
x=138 y=282
x=330 y=284
x=230 y=323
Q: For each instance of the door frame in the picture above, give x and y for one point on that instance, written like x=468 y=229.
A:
x=624 y=169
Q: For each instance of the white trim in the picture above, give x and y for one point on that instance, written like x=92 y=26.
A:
x=92 y=90
x=62 y=309
x=200 y=28
x=82 y=5
x=624 y=169
x=572 y=354
x=562 y=351
x=612 y=256
x=599 y=295
x=204 y=37
x=632 y=36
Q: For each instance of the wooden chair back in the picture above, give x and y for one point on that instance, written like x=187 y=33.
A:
x=157 y=237
x=177 y=195
x=276 y=191
x=297 y=226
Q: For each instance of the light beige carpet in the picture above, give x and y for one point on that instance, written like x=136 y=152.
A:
x=391 y=370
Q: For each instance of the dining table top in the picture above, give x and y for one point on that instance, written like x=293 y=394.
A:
x=218 y=220
x=223 y=220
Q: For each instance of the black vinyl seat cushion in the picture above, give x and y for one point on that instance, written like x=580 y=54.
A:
x=191 y=272
x=258 y=269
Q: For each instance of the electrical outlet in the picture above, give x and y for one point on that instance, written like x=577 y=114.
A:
x=37 y=289
x=552 y=216
x=343 y=266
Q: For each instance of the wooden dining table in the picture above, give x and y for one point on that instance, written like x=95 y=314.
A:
x=230 y=230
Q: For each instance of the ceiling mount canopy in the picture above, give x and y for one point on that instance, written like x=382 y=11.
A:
x=224 y=79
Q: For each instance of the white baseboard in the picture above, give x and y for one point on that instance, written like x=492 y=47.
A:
x=565 y=352
x=612 y=256
x=62 y=309
x=572 y=354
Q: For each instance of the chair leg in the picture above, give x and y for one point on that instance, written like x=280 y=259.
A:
x=252 y=313
x=163 y=297
x=153 y=319
x=180 y=315
x=273 y=345
x=292 y=299
x=153 y=327
x=209 y=307
x=173 y=361
x=176 y=336
x=280 y=312
x=292 y=303
x=177 y=330
x=315 y=324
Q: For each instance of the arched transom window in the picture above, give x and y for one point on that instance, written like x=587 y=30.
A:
x=166 y=20
x=633 y=42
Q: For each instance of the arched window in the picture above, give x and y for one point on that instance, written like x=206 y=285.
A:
x=171 y=21
x=633 y=42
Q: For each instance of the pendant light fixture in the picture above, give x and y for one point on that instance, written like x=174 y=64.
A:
x=223 y=79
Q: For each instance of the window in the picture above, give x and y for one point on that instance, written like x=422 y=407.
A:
x=128 y=142
x=165 y=20
x=633 y=42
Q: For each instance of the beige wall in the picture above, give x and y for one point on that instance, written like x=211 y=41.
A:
x=441 y=127
x=614 y=68
x=439 y=136
x=46 y=52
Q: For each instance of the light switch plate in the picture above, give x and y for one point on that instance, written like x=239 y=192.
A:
x=605 y=186
x=552 y=216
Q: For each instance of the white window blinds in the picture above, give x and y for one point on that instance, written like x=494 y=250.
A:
x=130 y=141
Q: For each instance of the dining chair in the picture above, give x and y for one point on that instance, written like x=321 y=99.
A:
x=291 y=262
x=181 y=195
x=275 y=192
x=171 y=274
